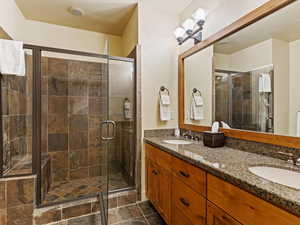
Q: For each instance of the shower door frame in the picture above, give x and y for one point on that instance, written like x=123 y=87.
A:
x=37 y=112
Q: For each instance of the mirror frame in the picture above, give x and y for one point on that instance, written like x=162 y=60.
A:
x=259 y=13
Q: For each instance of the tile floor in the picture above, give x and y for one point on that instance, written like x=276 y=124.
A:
x=141 y=213
x=68 y=190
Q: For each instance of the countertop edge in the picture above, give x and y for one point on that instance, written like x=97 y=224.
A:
x=261 y=193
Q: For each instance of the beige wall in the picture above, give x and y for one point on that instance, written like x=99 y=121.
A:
x=130 y=34
x=38 y=33
x=247 y=59
x=198 y=74
x=280 y=57
x=294 y=84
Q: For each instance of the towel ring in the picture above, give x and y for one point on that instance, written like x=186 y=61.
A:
x=163 y=89
x=195 y=91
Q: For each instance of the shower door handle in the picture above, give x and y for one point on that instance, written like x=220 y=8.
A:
x=107 y=122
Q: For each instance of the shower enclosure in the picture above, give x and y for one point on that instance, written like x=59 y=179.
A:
x=240 y=102
x=78 y=121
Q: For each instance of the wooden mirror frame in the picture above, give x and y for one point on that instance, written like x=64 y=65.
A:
x=261 y=12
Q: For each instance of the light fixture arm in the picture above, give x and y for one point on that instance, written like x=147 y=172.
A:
x=196 y=35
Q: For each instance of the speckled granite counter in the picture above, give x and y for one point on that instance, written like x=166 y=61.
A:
x=232 y=166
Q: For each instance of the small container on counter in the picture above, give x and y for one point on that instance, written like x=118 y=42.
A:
x=213 y=140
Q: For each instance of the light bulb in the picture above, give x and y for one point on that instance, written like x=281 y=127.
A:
x=188 y=25
x=199 y=15
x=179 y=33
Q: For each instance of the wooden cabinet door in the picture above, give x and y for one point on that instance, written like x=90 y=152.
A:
x=216 y=216
x=164 y=194
x=152 y=182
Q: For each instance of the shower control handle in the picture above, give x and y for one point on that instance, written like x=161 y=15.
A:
x=107 y=122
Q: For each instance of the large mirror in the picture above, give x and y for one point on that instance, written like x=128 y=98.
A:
x=250 y=80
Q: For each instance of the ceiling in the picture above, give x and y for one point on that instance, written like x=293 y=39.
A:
x=105 y=16
x=283 y=25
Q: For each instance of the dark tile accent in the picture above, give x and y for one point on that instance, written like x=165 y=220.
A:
x=20 y=192
x=58 y=123
x=78 y=105
x=57 y=105
x=21 y=215
x=50 y=216
x=78 y=140
x=79 y=123
x=57 y=142
x=75 y=211
x=58 y=86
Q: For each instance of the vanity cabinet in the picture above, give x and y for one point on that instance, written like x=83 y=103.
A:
x=186 y=195
x=158 y=191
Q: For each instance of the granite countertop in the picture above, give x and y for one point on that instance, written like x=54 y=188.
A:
x=232 y=166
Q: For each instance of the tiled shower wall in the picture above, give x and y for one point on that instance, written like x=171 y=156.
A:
x=17 y=116
x=73 y=105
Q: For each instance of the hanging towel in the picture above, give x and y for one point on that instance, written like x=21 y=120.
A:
x=165 y=108
x=225 y=125
x=264 y=83
x=197 y=109
x=298 y=124
x=12 y=58
x=127 y=109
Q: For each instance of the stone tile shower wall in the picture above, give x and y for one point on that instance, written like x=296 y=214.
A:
x=73 y=105
x=17 y=118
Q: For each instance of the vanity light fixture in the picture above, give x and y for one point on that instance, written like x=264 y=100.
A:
x=191 y=28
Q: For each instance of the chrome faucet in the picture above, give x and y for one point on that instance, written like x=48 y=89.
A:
x=292 y=158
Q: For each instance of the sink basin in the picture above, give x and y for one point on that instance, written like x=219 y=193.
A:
x=177 y=142
x=280 y=176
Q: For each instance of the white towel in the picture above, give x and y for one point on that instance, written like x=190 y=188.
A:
x=197 y=109
x=225 y=125
x=127 y=110
x=165 y=108
x=12 y=58
x=264 y=83
x=298 y=124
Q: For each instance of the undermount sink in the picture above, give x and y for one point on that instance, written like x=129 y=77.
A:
x=177 y=142
x=280 y=176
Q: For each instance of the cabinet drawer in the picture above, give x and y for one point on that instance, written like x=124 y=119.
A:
x=192 y=176
x=245 y=207
x=188 y=202
x=216 y=216
x=179 y=218
x=158 y=156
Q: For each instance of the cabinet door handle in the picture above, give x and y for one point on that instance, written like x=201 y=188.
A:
x=185 y=202
x=154 y=172
x=186 y=175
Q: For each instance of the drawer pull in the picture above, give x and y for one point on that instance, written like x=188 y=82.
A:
x=154 y=172
x=185 y=202
x=184 y=174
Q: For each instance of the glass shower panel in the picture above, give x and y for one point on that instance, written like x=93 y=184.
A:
x=74 y=104
x=16 y=120
x=122 y=110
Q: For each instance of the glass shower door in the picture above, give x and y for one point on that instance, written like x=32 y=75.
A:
x=74 y=127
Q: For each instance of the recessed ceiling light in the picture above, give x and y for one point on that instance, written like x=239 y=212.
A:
x=75 y=11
